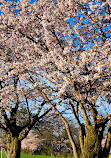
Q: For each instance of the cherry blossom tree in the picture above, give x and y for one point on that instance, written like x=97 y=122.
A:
x=17 y=105
x=60 y=52
x=20 y=106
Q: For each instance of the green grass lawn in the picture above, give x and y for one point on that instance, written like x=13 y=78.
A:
x=3 y=155
x=30 y=156
x=36 y=156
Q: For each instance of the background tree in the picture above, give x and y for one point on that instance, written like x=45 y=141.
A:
x=53 y=131
x=62 y=48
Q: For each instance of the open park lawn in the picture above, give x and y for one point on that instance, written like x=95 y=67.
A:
x=30 y=156
x=37 y=156
x=34 y=156
x=41 y=156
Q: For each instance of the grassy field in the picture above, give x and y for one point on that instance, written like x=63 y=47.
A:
x=31 y=156
x=36 y=156
x=41 y=156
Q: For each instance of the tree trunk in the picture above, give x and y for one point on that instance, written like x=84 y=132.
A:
x=92 y=145
x=75 y=153
x=13 y=146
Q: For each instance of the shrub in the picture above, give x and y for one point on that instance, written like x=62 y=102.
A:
x=26 y=151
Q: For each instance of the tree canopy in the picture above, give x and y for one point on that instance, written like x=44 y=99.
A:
x=58 y=53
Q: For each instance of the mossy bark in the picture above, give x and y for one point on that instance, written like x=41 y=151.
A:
x=13 y=146
x=92 y=144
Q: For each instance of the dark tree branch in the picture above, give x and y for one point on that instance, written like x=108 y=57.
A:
x=59 y=42
x=3 y=112
x=28 y=108
x=45 y=113
x=3 y=127
x=42 y=44
x=14 y=110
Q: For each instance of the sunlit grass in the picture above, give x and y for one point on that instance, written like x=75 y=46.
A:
x=29 y=156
